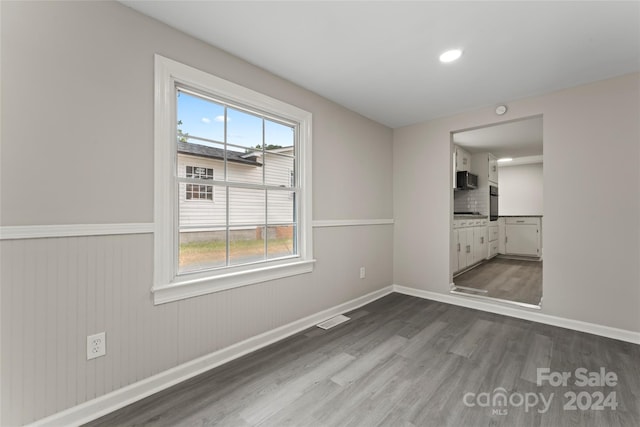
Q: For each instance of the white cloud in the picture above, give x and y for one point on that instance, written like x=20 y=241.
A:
x=221 y=119
x=205 y=120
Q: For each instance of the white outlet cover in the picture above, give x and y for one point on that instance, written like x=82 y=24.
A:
x=96 y=345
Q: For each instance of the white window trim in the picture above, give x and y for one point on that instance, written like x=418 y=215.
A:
x=167 y=285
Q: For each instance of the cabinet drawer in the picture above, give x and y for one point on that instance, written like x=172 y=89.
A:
x=460 y=223
x=525 y=220
x=493 y=249
x=493 y=233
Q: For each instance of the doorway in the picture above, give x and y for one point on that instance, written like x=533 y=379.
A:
x=498 y=254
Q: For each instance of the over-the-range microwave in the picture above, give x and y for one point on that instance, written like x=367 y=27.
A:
x=466 y=181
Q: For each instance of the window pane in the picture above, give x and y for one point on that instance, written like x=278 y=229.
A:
x=208 y=155
x=246 y=206
x=199 y=117
x=243 y=168
x=280 y=207
x=200 y=250
x=277 y=135
x=278 y=170
x=243 y=130
x=246 y=245
x=281 y=241
x=196 y=210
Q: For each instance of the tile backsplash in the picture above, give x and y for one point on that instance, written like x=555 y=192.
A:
x=471 y=201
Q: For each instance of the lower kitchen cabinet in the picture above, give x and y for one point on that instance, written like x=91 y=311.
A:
x=492 y=237
x=479 y=243
x=523 y=236
x=463 y=242
x=469 y=243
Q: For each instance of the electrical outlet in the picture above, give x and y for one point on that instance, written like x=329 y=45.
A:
x=362 y=273
x=96 y=345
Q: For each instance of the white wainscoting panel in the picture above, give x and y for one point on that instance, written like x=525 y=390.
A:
x=56 y=291
x=72 y=230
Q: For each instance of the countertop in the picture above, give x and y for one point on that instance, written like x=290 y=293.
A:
x=469 y=216
x=520 y=216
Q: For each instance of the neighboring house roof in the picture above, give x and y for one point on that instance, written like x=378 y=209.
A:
x=280 y=150
x=216 y=153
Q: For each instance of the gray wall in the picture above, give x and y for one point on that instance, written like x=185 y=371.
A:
x=77 y=148
x=521 y=190
x=591 y=200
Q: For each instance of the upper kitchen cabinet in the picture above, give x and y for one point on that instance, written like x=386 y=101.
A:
x=485 y=165
x=462 y=159
x=493 y=169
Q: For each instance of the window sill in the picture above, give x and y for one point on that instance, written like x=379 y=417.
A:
x=183 y=289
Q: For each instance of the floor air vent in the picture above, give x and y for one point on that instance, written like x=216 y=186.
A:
x=334 y=321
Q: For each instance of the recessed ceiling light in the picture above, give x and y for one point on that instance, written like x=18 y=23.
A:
x=505 y=159
x=450 y=55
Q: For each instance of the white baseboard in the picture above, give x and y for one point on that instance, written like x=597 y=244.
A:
x=521 y=313
x=120 y=398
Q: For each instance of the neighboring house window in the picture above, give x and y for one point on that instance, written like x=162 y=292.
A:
x=259 y=229
x=198 y=191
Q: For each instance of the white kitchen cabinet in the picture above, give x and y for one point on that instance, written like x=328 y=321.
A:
x=493 y=249
x=469 y=243
x=479 y=244
x=493 y=169
x=492 y=238
x=463 y=246
x=463 y=160
x=466 y=240
x=493 y=232
x=523 y=236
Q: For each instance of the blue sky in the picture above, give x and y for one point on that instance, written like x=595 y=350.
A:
x=205 y=119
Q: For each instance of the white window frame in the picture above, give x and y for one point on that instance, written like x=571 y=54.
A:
x=167 y=284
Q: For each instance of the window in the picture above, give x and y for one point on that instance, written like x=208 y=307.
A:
x=197 y=191
x=259 y=227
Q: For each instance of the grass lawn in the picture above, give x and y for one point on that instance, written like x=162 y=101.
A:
x=213 y=252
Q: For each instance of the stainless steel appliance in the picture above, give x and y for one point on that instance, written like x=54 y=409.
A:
x=466 y=181
x=493 y=203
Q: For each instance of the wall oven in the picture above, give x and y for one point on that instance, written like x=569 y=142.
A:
x=493 y=203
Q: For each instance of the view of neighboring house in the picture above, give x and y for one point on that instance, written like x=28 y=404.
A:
x=203 y=206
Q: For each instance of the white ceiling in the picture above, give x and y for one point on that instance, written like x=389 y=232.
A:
x=381 y=58
x=522 y=138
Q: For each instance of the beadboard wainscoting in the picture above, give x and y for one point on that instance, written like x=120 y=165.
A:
x=61 y=284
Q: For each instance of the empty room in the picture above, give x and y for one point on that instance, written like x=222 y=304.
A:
x=324 y=213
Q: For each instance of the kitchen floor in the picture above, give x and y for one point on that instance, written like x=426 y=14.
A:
x=508 y=279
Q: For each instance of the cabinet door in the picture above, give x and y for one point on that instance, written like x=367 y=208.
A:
x=522 y=239
x=463 y=160
x=455 y=250
x=479 y=244
x=493 y=249
x=461 y=248
x=467 y=248
x=493 y=170
x=493 y=233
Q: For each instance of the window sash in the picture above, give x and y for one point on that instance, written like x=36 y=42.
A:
x=167 y=285
x=197 y=175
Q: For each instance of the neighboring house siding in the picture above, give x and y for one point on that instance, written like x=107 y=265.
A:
x=247 y=206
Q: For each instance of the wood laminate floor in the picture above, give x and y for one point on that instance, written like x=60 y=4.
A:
x=509 y=279
x=405 y=361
